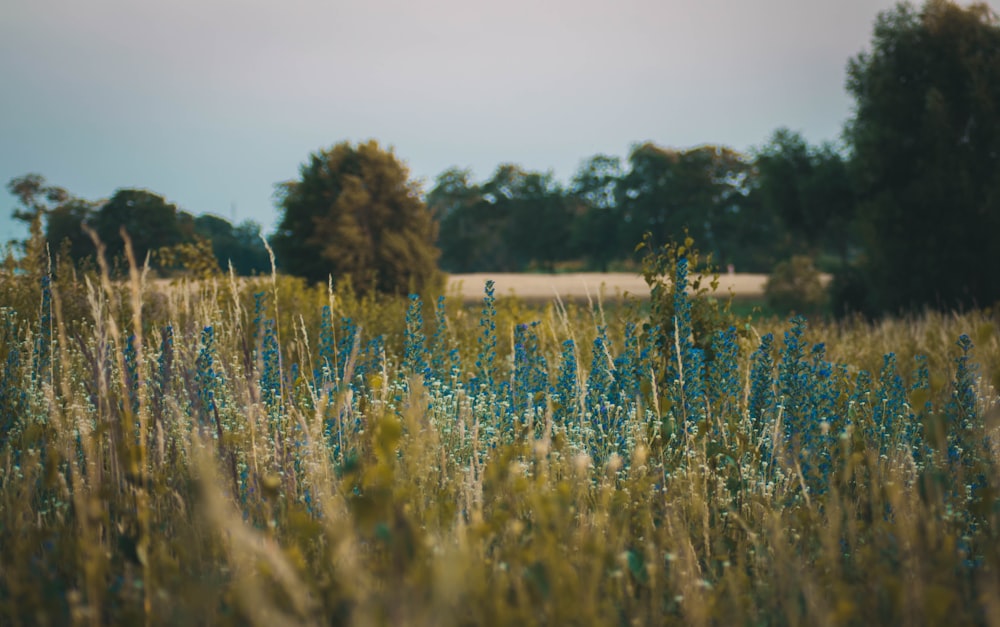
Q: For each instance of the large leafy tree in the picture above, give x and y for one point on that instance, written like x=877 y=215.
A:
x=926 y=147
x=454 y=190
x=149 y=220
x=808 y=189
x=64 y=226
x=537 y=230
x=747 y=235
x=514 y=221
x=597 y=219
x=666 y=191
x=472 y=229
x=355 y=212
x=36 y=196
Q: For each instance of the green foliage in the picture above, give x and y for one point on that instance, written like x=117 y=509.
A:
x=795 y=285
x=240 y=246
x=708 y=314
x=38 y=200
x=65 y=224
x=521 y=220
x=594 y=230
x=150 y=221
x=809 y=190
x=667 y=191
x=851 y=291
x=537 y=232
x=354 y=212
x=472 y=232
x=35 y=196
x=926 y=142
x=515 y=221
x=195 y=259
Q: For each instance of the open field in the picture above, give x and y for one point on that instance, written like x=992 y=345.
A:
x=267 y=453
x=581 y=286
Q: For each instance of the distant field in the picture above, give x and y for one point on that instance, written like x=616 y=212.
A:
x=584 y=285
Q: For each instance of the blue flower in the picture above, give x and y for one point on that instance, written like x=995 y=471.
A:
x=567 y=391
x=761 y=388
x=414 y=358
x=487 y=355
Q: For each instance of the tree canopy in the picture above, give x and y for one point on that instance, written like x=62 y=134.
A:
x=926 y=156
x=150 y=221
x=518 y=220
x=596 y=224
x=354 y=212
x=239 y=245
x=808 y=189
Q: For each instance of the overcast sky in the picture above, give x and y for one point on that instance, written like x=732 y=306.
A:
x=212 y=102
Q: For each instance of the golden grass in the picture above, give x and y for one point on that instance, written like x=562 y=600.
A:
x=126 y=499
x=582 y=286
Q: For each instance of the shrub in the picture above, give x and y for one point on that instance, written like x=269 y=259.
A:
x=795 y=285
x=703 y=312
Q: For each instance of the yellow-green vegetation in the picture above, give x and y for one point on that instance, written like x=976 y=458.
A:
x=796 y=285
x=227 y=452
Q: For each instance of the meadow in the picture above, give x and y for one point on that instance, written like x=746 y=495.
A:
x=225 y=452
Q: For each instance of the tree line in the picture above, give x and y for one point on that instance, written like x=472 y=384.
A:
x=905 y=212
x=156 y=227
x=749 y=212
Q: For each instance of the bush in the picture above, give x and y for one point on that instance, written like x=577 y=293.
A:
x=707 y=314
x=795 y=285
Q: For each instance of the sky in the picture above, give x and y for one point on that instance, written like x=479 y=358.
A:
x=210 y=103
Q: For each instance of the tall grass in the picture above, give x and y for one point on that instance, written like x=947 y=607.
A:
x=263 y=452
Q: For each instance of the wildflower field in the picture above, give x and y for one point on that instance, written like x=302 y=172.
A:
x=226 y=452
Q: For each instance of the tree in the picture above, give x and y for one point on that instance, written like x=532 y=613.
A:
x=240 y=245
x=36 y=198
x=926 y=156
x=470 y=234
x=667 y=191
x=64 y=223
x=594 y=230
x=537 y=226
x=453 y=191
x=516 y=220
x=809 y=190
x=746 y=234
x=355 y=212
x=150 y=221
x=644 y=196
x=53 y=215
x=712 y=182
